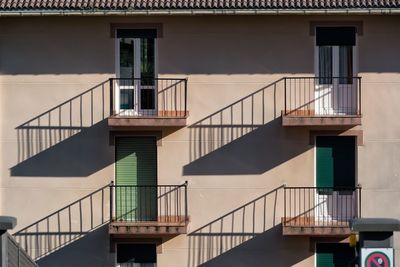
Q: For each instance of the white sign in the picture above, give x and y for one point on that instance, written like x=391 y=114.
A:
x=377 y=257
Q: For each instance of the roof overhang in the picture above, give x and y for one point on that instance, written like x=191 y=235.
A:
x=188 y=12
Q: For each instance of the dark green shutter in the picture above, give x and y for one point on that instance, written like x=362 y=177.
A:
x=335 y=161
x=136 y=164
x=335 y=255
x=325 y=259
x=324 y=163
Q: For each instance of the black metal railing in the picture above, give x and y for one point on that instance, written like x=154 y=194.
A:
x=142 y=203
x=321 y=206
x=155 y=97
x=65 y=225
x=163 y=204
x=322 y=96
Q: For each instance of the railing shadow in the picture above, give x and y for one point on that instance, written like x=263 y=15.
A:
x=66 y=225
x=245 y=137
x=235 y=120
x=63 y=121
x=234 y=228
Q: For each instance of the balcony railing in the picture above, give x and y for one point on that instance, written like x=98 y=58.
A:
x=322 y=96
x=321 y=206
x=142 y=203
x=148 y=97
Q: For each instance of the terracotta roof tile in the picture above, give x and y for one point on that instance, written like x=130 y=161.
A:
x=194 y=4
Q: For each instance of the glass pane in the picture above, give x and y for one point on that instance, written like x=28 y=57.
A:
x=126 y=98
x=126 y=57
x=147 y=99
x=147 y=61
x=346 y=64
x=325 y=64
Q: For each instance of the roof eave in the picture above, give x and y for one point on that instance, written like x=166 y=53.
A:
x=154 y=12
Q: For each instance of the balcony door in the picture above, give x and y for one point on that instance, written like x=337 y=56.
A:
x=336 y=87
x=136 y=255
x=335 y=179
x=335 y=255
x=135 y=70
x=136 y=178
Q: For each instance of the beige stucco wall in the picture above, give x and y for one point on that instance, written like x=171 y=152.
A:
x=46 y=61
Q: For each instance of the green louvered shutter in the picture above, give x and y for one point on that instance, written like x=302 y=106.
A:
x=324 y=162
x=325 y=259
x=335 y=255
x=136 y=164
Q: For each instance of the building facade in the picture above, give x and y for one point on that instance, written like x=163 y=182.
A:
x=184 y=134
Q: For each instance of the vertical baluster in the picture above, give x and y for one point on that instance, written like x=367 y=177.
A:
x=158 y=202
x=111 y=200
x=111 y=84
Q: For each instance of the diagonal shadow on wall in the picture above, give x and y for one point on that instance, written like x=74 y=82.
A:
x=91 y=250
x=63 y=121
x=245 y=137
x=68 y=140
x=247 y=236
x=80 y=155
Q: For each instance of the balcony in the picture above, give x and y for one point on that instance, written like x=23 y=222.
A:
x=140 y=211
x=148 y=103
x=320 y=211
x=322 y=101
